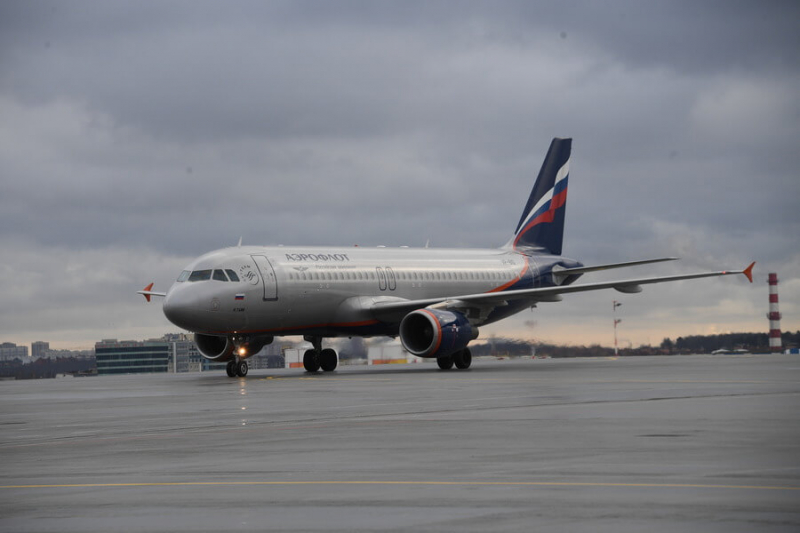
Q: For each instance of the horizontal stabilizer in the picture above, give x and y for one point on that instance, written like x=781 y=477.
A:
x=560 y=273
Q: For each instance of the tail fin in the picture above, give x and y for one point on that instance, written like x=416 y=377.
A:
x=542 y=221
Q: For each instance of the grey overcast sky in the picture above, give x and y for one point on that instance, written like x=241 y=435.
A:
x=135 y=136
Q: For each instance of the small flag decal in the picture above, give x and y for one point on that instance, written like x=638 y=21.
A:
x=239 y=297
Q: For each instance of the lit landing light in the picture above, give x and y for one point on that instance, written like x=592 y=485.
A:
x=242 y=351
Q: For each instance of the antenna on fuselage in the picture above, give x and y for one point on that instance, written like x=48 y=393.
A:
x=240 y=242
x=428 y=243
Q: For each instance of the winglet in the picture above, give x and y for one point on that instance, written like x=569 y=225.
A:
x=146 y=292
x=749 y=271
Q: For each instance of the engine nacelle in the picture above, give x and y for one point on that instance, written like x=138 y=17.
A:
x=214 y=347
x=253 y=345
x=435 y=333
x=222 y=349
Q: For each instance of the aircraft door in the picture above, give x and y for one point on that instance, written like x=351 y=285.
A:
x=381 y=278
x=391 y=279
x=267 y=276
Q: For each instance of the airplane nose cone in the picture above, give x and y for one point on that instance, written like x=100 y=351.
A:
x=180 y=309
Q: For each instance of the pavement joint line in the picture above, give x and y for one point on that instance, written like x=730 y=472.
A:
x=412 y=483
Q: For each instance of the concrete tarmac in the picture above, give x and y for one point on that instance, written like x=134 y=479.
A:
x=691 y=443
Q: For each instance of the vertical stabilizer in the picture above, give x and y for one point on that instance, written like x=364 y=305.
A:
x=542 y=222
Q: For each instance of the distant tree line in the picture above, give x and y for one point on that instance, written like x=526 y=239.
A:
x=45 y=368
x=752 y=342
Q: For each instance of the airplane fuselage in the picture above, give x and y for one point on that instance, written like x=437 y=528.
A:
x=329 y=292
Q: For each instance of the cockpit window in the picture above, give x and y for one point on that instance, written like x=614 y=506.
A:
x=219 y=275
x=232 y=274
x=200 y=275
x=184 y=275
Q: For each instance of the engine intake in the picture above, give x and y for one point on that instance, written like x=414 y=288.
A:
x=221 y=349
x=214 y=347
x=435 y=333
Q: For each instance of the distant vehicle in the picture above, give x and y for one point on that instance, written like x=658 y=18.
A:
x=726 y=351
x=236 y=300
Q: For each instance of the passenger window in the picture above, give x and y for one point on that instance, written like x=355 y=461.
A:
x=219 y=275
x=184 y=275
x=200 y=275
x=232 y=274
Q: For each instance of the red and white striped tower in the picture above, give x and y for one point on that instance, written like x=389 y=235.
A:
x=774 y=315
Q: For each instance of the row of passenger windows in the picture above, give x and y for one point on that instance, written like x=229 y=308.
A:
x=203 y=275
x=494 y=275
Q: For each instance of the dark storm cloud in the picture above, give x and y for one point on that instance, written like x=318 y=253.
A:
x=176 y=127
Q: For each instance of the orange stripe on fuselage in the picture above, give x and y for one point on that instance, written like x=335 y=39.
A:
x=314 y=326
x=513 y=281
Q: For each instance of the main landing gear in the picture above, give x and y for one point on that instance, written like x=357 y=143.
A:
x=461 y=359
x=317 y=358
x=236 y=368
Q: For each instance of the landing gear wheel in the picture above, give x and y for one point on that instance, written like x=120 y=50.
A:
x=462 y=359
x=311 y=360
x=230 y=369
x=445 y=363
x=328 y=360
x=241 y=369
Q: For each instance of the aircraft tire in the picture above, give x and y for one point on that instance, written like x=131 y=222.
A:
x=328 y=360
x=311 y=360
x=445 y=363
x=230 y=369
x=241 y=369
x=462 y=359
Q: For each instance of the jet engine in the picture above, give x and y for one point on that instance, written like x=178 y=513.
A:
x=253 y=345
x=222 y=349
x=435 y=333
x=214 y=347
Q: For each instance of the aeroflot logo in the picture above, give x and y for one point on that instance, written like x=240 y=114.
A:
x=317 y=257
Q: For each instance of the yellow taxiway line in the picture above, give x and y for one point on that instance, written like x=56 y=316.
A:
x=400 y=483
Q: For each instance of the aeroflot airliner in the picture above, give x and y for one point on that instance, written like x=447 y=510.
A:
x=236 y=300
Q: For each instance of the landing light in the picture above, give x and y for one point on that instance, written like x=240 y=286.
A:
x=242 y=351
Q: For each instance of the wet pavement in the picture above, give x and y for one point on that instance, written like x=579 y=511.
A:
x=691 y=443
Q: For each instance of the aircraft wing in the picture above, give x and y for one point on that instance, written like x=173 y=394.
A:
x=390 y=310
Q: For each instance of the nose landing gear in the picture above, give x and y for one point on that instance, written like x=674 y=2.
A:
x=236 y=368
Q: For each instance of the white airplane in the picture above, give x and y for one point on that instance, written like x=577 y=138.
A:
x=236 y=300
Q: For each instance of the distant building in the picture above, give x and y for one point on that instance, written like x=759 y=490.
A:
x=173 y=353
x=10 y=351
x=39 y=349
x=132 y=357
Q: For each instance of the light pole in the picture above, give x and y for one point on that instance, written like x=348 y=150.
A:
x=616 y=321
